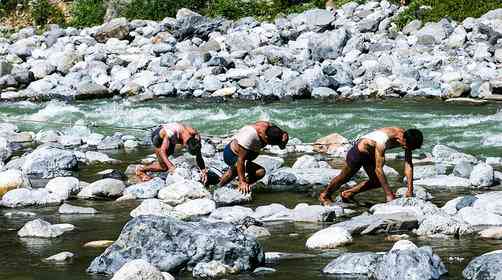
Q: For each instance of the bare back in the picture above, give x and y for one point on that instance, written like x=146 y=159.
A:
x=386 y=138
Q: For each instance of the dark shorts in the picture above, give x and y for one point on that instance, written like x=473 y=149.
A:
x=157 y=141
x=231 y=158
x=356 y=159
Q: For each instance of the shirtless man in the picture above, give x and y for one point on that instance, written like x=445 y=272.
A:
x=164 y=139
x=369 y=152
x=245 y=147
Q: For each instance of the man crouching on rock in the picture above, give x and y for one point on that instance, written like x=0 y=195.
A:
x=245 y=147
x=369 y=152
x=164 y=139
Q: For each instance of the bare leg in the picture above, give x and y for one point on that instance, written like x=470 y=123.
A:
x=154 y=167
x=372 y=183
x=228 y=176
x=255 y=172
x=345 y=175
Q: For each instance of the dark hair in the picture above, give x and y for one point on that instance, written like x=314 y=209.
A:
x=193 y=145
x=414 y=138
x=274 y=134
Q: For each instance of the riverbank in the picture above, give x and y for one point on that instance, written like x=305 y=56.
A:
x=354 y=54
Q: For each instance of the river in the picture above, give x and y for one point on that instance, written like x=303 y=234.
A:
x=462 y=127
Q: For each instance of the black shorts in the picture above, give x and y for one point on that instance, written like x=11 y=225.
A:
x=356 y=159
x=157 y=140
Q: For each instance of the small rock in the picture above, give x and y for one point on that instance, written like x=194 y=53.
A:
x=61 y=257
x=329 y=238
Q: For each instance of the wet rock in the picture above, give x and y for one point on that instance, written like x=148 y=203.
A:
x=272 y=211
x=306 y=161
x=61 y=257
x=97 y=157
x=410 y=263
x=12 y=179
x=329 y=238
x=116 y=28
x=418 y=192
x=257 y=232
x=19 y=214
x=182 y=191
x=148 y=189
x=327 y=45
x=48 y=161
x=213 y=241
x=311 y=176
x=463 y=169
x=446 y=154
x=104 y=188
x=40 y=228
x=137 y=270
x=27 y=197
x=99 y=244
x=210 y=270
x=5 y=150
x=354 y=265
x=196 y=207
x=443 y=181
x=482 y=175
x=443 y=224
x=231 y=214
x=91 y=90
x=478 y=217
x=400 y=221
x=190 y=24
x=332 y=144
x=431 y=33
x=315 y=213
x=230 y=196
x=487 y=266
x=491 y=233
x=412 y=206
x=111 y=143
x=70 y=209
x=63 y=187
x=153 y=207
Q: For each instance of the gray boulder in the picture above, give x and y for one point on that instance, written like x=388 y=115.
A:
x=482 y=175
x=105 y=188
x=148 y=189
x=49 y=161
x=442 y=153
x=70 y=209
x=354 y=265
x=308 y=176
x=91 y=90
x=29 y=197
x=116 y=28
x=40 y=228
x=463 y=169
x=138 y=270
x=443 y=181
x=190 y=24
x=485 y=267
x=432 y=33
x=63 y=187
x=169 y=244
x=410 y=263
x=327 y=45
x=154 y=207
x=443 y=224
x=230 y=196
x=230 y=214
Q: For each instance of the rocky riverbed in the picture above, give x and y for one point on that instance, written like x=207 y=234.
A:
x=57 y=197
x=354 y=54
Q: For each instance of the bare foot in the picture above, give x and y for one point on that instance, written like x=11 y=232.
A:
x=140 y=174
x=325 y=199
x=390 y=197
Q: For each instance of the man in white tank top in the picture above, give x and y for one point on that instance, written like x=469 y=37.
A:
x=369 y=152
x=245 y=147
x=164 y=139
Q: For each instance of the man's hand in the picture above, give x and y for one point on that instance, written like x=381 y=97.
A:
x=172 y=170
x=203 y=176
x=244 y=187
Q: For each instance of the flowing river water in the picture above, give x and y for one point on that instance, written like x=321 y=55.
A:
x=462 y=127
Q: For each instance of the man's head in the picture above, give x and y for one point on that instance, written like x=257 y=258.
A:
x=414 y=139
x=277 y=136
x=193 y=145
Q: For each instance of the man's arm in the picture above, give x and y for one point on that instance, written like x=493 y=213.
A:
x=163 y=154
x=380 y=162
x=241 y=170
x=408 y=171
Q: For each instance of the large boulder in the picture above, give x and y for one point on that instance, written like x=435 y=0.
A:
x=70 y=209
x=138 y=270
x=40 y=228
x=412 y=206
x=49 y=161
x=327 y=45
x=482 y=175
x=154 y=207
x=116 y=28
x=169 y=244
x=432 y=33
x=444 y=224
x=107 y=188
x=478 y=217
x=230 y=196
x=329 y=238
x=190 y=24
x=306 y=161
x=5 y=150
x=196 y=207
x=406 y=261
x=182 y=191
x=12 y=179
x=63 y=187
x=485 y=267
x=442 y=153
x=353 y=265
x=29 y=197
x=308 y=176
x=231 y=214
x=443 y=181
x=148 y=189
